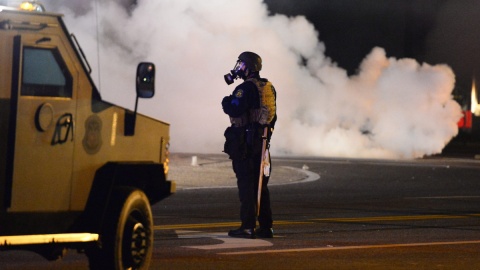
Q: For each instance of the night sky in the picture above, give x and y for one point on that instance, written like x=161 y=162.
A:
x=431 y=31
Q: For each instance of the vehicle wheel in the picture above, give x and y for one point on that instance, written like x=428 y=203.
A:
x=127 y=237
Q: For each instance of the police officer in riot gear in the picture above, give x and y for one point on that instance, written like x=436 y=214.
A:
x=252 y=110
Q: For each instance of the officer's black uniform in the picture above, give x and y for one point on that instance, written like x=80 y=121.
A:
x=244 y=147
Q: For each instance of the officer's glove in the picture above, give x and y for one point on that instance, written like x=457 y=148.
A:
x=226 y=103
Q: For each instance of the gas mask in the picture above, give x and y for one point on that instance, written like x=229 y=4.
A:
x=239 y=71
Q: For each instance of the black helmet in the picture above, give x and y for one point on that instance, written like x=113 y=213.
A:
x=247 y=64
x=251 y=60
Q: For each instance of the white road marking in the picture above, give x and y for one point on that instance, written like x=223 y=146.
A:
x=330 y=248
x=309 y=177
x=228 y=242
x=443 y=197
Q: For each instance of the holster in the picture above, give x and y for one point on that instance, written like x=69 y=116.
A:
x=235 y=143
x=254 y=133
x=243 y=142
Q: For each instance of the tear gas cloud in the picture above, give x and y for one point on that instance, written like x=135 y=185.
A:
x=392 y=108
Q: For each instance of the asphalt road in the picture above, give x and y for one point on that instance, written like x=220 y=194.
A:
x=356 y=214
x=360 y=214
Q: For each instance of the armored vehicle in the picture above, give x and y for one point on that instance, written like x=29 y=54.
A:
x=76 y=172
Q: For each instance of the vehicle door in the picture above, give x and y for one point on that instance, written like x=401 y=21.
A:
x=45 y=123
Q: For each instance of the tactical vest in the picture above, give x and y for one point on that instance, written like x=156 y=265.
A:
x=267 y=109
x=265 y=114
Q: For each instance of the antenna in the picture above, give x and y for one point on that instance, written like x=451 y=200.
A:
x=98 y=47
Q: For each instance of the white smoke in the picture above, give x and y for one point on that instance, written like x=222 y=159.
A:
x=393 y=108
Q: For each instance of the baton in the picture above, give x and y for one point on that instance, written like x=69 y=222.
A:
x=262 y=165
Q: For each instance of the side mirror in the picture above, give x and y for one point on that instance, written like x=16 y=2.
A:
x=145 y=89
x=145 y=80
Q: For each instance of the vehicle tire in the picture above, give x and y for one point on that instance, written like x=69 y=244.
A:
x=127 y=236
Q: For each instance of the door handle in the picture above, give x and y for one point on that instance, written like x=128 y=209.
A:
x=64 y=122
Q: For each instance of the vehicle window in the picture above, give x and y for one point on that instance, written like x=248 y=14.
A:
x=45 y=74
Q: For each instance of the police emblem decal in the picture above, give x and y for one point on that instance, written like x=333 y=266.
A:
x=92 y=141
x=239 y=93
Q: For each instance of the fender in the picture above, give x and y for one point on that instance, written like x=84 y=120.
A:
x=147 y=176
